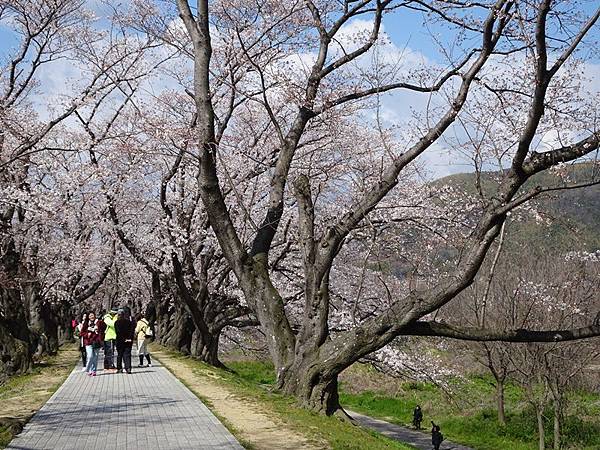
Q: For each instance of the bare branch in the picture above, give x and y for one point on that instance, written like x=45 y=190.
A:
x=482 y=335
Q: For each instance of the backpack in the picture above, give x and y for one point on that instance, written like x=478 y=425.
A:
x=149 y=333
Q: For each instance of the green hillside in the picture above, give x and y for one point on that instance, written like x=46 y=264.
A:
x=571 y=218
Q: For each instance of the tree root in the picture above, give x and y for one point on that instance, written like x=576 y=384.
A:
x=341 y=414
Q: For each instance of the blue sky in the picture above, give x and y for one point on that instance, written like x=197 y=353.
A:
x=7 y=39
x=403 y=27
x=405 y=30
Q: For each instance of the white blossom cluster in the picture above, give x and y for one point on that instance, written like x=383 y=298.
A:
x=415 y=364
x=592 y=257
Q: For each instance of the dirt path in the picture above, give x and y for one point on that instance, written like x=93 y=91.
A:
x=22 y=396
x=250 y=421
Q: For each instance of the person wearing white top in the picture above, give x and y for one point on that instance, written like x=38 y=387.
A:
x=143 y=330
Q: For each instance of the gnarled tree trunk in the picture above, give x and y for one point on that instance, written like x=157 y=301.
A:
x=267 y=304
x=177 y=330
x=315 y=387
x=15 y=336
x=63 y=314
x=52 y=320
x=15 y=350
x=206 y=348
x=39 y=322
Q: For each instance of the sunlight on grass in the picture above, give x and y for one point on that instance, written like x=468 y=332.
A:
x=475 y=425
x=252 y=380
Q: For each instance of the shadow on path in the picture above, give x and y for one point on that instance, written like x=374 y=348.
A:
x=151 y=410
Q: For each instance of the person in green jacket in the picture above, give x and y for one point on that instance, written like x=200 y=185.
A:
x=109 y=340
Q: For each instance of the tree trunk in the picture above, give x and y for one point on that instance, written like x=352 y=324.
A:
x=16 y=350
x=557 y=424
x=307 y=365
x=177 y=331
x=39 y=322
x=162 y=320
x=500 y=402
x=267 y=304
x=63 y=316
x=51 y=322
x=206 y=348
x=315 y=387
x=539 y=411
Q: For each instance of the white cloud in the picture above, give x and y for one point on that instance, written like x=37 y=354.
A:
x=440 y=160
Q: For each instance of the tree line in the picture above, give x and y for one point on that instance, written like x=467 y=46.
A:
x=229 y=164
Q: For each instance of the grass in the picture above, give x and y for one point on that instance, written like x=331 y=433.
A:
x=467 y=415
x=470 y=417
x=22 y=395
x=6 y=436
x=251 y=381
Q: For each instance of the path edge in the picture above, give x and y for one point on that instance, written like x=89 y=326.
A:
x=208 y=404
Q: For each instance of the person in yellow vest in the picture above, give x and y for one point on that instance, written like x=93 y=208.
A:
x=143 y=331
x=110 y=335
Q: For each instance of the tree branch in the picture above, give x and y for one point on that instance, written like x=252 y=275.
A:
x=482 y=335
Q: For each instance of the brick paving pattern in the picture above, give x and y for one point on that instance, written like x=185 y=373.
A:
x=147 y=410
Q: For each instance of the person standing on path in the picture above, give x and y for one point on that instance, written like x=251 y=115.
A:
x=417 y=417
x=110 y=335
x=92 y=338
x=82 y=349
x=436 y=436
x=125 y=331
x=142 y=330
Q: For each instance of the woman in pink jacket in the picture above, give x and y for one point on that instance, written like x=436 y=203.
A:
x=92 y=339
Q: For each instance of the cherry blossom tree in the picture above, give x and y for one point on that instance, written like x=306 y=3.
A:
x=565 y=298
x=309 y=359
x=34 y=123
x=153 y=205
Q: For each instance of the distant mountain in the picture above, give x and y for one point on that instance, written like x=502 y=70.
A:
x=570 y=218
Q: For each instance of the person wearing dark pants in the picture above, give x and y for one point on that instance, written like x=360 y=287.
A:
x=124 y=329
x=142 y=332
x=109 y=340
x=436 y=436
x=417 y=417
x=82 y=349
x=83 y=352
x=124 y=356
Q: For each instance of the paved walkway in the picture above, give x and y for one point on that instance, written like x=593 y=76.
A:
x=147 y=410
x=415 y=438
